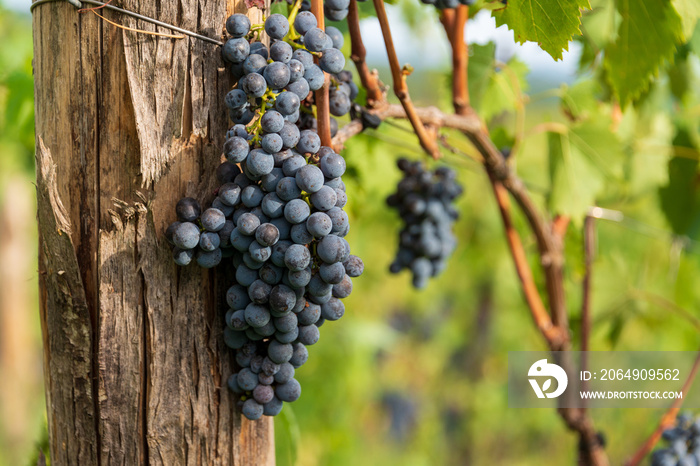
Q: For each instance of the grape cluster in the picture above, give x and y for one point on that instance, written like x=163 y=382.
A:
x=278 y=215
x=447 y=4
x=683 y=444
x=424 y=200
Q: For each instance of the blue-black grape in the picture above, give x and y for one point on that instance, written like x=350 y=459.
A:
x=238 y=25
x=276 y=26
x=304 y=22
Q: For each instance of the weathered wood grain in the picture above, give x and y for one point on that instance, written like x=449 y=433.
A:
x=135 y=364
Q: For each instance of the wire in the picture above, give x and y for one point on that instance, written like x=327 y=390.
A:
x=78 y=4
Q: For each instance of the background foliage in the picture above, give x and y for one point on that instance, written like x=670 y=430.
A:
x=419 y=378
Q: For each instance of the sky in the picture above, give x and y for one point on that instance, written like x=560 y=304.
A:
x=421 y=51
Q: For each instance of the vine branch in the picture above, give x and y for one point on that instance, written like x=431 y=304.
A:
x=369 y=80
x=460 y=61
x=588 y=252
x=429 y=144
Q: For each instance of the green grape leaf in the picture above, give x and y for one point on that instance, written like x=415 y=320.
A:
x=680 y=198
x=694 y=42
x=550 y=23
x=580 y=100
x=648 y=137
x=575 y=180
x=505 y=89
x=689 y=11
x=481 y=60
x=647 y=37
x=580 y=160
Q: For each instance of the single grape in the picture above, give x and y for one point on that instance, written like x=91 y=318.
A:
x=315 y=39
x=259 y=162
x=339 y=104
x=254 y=64
x=272 y=121
x=236 y=50
x=182 y=257
x=332 y=273
x=252 y=409
x=309 y=142
x=287 y=103
x=258 y=48
x=354 y=266
x=258 y=253
x=230 y=194
x=335 y=15
x=314 y=76
x=319 y=224
x=209 y=241
x=296 y=70
x=276 y=26
x=324 y=199
x=290 y=135
x=297 y=257
x=290 y=391
x=296 y=211
x=279 y=352
x=170 y=231
x=300 y=88
x=186 y=235
x=281 y=52
x=308 y=335
x=304 y=22
x=187 y=209
x=238 y=25
x=343 y=289
x=272 y=205
x=256 y=315
x=299 y=234
x=333 y=310
x=277 y=75
x=336 y=36
x=253 y=85
x=235 y=98
x=332 y=61
x=273 y=407
x=234 y=339
x=309 y=315
x=267 y=234
x=272 y=143
x=282 y=299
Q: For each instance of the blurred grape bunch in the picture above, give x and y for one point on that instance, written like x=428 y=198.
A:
x=683 y=443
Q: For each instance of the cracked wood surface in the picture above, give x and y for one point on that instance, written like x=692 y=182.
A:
x=127 y=124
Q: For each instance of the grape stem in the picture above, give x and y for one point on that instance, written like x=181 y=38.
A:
x=429 y=144
x=293 y=34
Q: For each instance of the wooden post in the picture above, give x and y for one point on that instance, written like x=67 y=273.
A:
x=127 y=124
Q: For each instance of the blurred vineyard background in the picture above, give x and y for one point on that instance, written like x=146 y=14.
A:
x=419 y=378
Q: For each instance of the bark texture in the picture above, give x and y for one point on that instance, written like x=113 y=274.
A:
x=126 y=125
